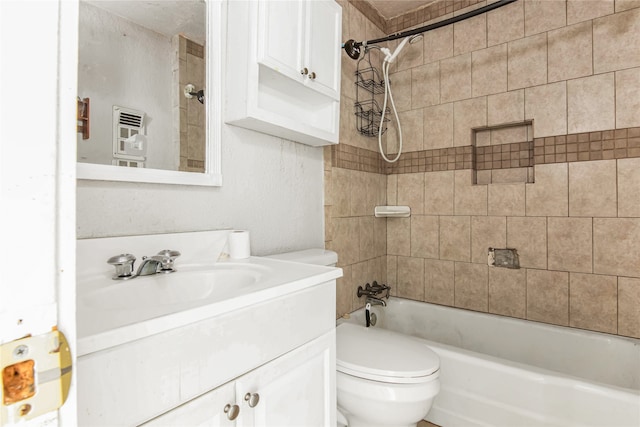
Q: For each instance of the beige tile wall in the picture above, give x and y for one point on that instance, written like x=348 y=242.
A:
x=353 y=232
x=189 y=115
x=569 y=68
x=351 y=195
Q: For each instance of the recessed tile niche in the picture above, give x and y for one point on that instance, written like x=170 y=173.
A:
x=503 y=154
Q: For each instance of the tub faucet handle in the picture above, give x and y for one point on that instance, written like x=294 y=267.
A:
x=388 y=289
x=373 y=290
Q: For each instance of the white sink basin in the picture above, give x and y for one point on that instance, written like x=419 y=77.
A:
x=182 y=287
x=113 y=312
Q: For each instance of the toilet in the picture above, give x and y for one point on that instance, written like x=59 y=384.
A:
x=384 y=378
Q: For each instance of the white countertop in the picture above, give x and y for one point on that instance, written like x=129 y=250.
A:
x=102 y=326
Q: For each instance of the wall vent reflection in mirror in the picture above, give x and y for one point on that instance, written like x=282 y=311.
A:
x=129 y=140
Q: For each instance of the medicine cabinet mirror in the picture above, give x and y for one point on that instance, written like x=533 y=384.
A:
x=149 y=91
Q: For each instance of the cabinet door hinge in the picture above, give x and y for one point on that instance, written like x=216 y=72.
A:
x=36 y=376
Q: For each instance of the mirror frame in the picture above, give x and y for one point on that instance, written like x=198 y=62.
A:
x=213 y=104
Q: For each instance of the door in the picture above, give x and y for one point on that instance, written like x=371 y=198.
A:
x=323 y=34
x=297 y=389
x=281 y=36
x=37 y=192
x=216 y=408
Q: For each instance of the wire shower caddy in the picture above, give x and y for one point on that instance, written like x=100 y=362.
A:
x=367 y=110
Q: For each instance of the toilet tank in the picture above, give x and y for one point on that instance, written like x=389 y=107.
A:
x=309 y=256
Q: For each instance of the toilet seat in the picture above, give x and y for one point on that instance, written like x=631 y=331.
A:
x=385 y=356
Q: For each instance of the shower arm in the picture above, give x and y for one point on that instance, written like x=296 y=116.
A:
x=352 y=47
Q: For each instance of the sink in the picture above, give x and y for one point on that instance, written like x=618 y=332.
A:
x=111 y=313
x=193 y=284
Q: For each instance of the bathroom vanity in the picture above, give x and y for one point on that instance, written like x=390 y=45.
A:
x=247 y=342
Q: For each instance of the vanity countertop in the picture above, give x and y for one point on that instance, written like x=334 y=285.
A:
x=112 y=313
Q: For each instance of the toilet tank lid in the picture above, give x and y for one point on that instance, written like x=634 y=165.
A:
x=309 y=256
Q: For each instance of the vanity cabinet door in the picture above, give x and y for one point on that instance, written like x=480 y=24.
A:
x=207 y=410
x=297 y=389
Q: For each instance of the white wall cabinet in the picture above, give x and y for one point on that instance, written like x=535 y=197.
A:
x=300 y=40
x=324 y=38
x=292 y=390
x=283 y=68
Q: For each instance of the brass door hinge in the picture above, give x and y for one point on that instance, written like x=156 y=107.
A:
x=36 y=376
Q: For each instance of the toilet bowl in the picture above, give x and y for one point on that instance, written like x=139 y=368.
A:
x=384 y=379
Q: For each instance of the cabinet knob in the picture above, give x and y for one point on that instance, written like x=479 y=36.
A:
x=304 y=71
x=252 y=399
x=232 y=411
x=312 y=76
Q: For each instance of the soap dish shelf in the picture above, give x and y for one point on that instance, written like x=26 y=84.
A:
x=392 y=211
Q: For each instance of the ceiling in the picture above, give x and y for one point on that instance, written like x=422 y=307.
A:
x=168 y=17
x=391 y=8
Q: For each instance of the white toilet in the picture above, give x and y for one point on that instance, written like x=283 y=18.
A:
x=384 y=378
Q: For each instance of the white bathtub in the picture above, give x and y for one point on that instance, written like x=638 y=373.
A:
x=500 y=371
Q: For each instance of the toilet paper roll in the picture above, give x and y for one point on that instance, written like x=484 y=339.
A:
x=239 y=246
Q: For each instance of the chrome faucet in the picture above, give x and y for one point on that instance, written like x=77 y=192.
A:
x=371 y=291
x=376 y=301
x=149 y=265
x=160 y=263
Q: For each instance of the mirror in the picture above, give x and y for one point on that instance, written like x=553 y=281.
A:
x=149 y=103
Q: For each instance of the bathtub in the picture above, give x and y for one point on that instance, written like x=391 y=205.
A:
x=500 y=371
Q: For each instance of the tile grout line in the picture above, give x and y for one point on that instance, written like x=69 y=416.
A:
x=617 y=305
x=617 y=216
x=546 y=39
x=526 y=294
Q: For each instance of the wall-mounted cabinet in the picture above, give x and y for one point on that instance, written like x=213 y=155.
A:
x=283 y=68
x=299 y=40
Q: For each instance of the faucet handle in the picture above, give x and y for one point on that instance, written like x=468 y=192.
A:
x=124 y=266
x=169 y=253
x=166 y=258
x=374 y=290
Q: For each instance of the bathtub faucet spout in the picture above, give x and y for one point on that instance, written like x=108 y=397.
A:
x=376 y=301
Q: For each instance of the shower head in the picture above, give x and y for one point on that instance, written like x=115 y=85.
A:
x=352 y=48
x=200 y=96
x=411 y=39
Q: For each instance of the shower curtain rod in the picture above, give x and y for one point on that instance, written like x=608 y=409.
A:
x=352 y=48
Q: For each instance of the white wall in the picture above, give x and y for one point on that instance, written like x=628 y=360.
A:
x=121 y=63
x=271 y=187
